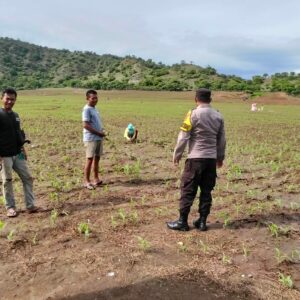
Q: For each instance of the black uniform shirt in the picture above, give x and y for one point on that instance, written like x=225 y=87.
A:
x=9 y=128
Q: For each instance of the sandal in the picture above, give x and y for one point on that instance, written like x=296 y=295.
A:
x=11 y=213
x=89 y=186
x=98 y=183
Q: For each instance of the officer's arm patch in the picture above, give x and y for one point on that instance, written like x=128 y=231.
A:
x=187 y=125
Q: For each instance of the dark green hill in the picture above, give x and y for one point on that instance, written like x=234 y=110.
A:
x=27 y=66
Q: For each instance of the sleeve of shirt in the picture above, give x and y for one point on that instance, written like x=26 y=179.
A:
x=183 y=137
x=221 y=143
x=126 y=133
x=86 y=115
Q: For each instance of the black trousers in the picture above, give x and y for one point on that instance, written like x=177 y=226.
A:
x=200 y=172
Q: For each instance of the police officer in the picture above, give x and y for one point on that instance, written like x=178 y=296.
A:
x=203 y=131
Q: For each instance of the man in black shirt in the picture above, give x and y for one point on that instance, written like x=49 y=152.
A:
x=12 y=155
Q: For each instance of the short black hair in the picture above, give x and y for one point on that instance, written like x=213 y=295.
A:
x=91 y=92
x=9 y=91
x=203 y=95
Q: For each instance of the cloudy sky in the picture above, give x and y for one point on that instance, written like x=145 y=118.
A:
x=241 y=37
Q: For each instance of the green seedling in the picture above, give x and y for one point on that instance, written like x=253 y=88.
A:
x=11 y=235
x=122 y=214
x=106 y=188
x=285 y=230
x=274 y=229
x=280 y=256
x=143 y=244
x=34 y=239
x=295 y=255
x=237 y=209
x=53 y=216
x=286 y=280
x=203 y=246
x=134 y=217
x=2 y=200
x=2 y=225
x=132 y=203
x=84 y=228
x=278 y=203
x=114 y=223
x=246 y=250
x=226 y=218
x=226 y=259
x=182 y=247
x=143 y=200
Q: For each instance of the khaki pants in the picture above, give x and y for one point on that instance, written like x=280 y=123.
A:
x=19 y=165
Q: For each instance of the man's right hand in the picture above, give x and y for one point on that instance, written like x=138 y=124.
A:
x=219 y=163
x=102 y=134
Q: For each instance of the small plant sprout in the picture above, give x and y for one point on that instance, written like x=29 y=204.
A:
x=132 y=202
x=11 y=235
x=280 y=256
x=84 y=228
x=122 y=214
x=143 y=244
x=34 y=239
x=285 y=230
x=278 y=202
x=286 y=280
x=134 y=217
x=274 y=229
x=2 y=200
x=53 y=216
x=226 y=218
x=106 y=188
x=226 y=259
x=114 y=223
x=295 y=255
x=2 y=225
x=182 y=247
x=246 y=250
x=237 y=209
x=143 y=200
x=203 y=246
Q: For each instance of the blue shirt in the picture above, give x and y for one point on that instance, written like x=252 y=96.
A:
x=90 y=114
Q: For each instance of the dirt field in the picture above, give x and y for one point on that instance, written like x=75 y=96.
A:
x=112 y=243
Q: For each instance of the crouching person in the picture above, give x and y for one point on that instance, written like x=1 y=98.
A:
x=131 y=133
x=13 y=156
x=203 y=131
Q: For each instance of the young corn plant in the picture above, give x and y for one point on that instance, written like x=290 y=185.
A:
x=280 y=256
x=274 y=229
x=182 y=247
x=226 y=259
x=53 y=216
x=143 y=244
x=122 y=215
x=246 y=250
x=2 y=225
x=84 y=228
x=286 y=280
x=295 y=255
x=204 y=247
x=114 y=223
x=34 y=239
x=11 y=235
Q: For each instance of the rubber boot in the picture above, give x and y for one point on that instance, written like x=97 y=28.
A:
x=181 y=224
x=201 y=223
